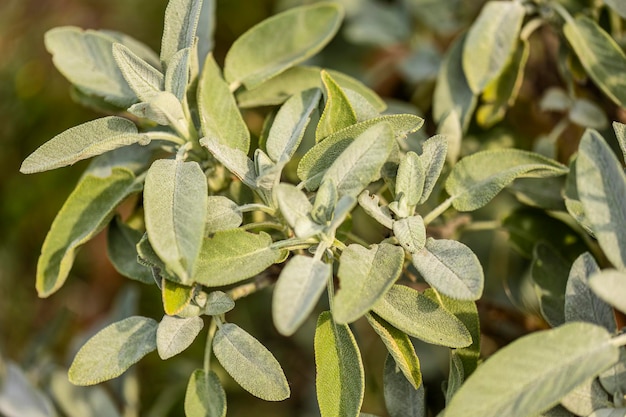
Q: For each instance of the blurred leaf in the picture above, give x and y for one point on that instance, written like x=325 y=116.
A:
x=338 y=112
x=455 y=376
x=122 y=251
x=205 y=396
x=608 y=284
x=588 y=114
x=206 y=29
x=433 y=158
x=620 y=134
x=586 y=398
x=555 y=99
x=550 y=271
x=80 y=401
x=176 y=334
x=339 y=380
x=543 y=193
x=250 y=363
x=401 y=398
x=143 y=79
x=179 y=28
x=609 y=412
x=411 y=233
x=113 y=350
x=613 y=380
x=19 y=398
x=618 y=6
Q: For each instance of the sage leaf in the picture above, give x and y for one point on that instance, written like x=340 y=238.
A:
x=586 y=398
x=620 y=134
x=205 y=396
x=401 y=398
x=86 y=212
x=143 y=79
x=433 y=158
x=365 y=275
x=400 y=349
x=550 y=270
x=206 y=29
x=280 y=42
x=293 y=204
x=179 y=27
x=176 y=334
x=177 y=74
x=231 y=256
x=600 y=55
x=113 y=350
x=82 y=142
x=614 y=379
x=534 y=372
x=142 y=50
x=235 y=160
x=477 y=178
x=450 y=127
x=618 y=6
x=122 y=250
x=162 y=108
x=175 y=296
x=18 y=397
x=222 y=214
x=363 y=109
x=451 y=268
x=300 y=285
x=338 y=112
x=588 y=114
x=75 y=401
x=250 y=363
x=491 y=41
x=410 y=181
x=218 y=303
x=455 y=376
x=609 y=286
x=371 y=205
x=175 y=204
x=420 y=317
x=609 y=412
x=219 y=115
x=325 y=202
x=411 y=233
x=339 y=380
x=601 y=184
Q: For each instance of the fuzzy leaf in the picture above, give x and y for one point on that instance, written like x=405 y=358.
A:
x=338 y=112
x=250 y=363
x=218 y=303
x=293 y=203
x=176 y=334
x=339 y=380
x=411 y=233
x=177 y=74
x=162 y=108
x=222 y=214
x=234 y=160
x=609 y=285
x=370 y=204
x=144 y=79
x=620 y=134
x=122 y=250
x=455 y=376
x=280 y=42
x=205 y=396
x=179 y=29
x=410 y=180
x=401 y=398
x=113 y=350
x=325 y=202
x=586 y=398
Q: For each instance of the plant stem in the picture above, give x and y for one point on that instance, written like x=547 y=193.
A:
x=261 y=281
x=295 y=243
x=619 y=340
x=481 y=226
x=166 y=136
x=208 y=348
x=437 y=211
x=271 y=225
x=255 y=206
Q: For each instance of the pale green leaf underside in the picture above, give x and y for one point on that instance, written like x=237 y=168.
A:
x=82 y=142
x=371 y=205
x=113 y=350
x=176 y=334
x=179 y=28
x=364 y=277
x=410 y=179
x=205 y=396
x=340 y=379
x=280 y=42
x=293 y=203
x=177 y=74
x=85 y=212
x=143 y=79
x=610 y=285
x=411 y=233
x=533 y=373
x=234 y=160
x=222 y=214
x=401 y=398
x=250 y=363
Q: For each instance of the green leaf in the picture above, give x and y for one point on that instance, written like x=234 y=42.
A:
x=365 y=275
x=122 y=251
x=618 y=6
x=410 y=181
x=433 y=157
x=220 y=118
x=400 y=348
x=85 y=58
x=250 y=363
x=177 y=74
x=82 y=142
x=179 y=28
x=609 y=286
x=451 y=268
x=613 y=380
x=363 y=109
x=280 y=42
x=231 y=256
x=143 y=79
x=142 y=50
x=533 y=373
x=206 y=29
x=600 y=55
x=421 y=317
x=411 y=233
x=293 y=204
x=477 y=178
x=609 y=412
x=175 y=204
x=401 y=398
x=620 y=134
x=205 y=396
x=325 y=202
x=222 y=214
x=289 y=125
x=234 y=160
x=85 y=213
x=78 y=401
x=491 y=41
x=588 y=114
x=360 y=163
x=113 y=350
x=455 y=376
x=586 y=398
x=338 y=112
x=218 y=303
x=175 y=296
x=550 y=270
x=371 y=205
x=339 y=380
x=601 y=187
x=299 y=287
x=176 y=334
x=319 y=158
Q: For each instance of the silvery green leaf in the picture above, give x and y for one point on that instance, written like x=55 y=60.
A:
x=280 y=42
x=410 y=180
x=143 y=78
x=135 y=158
x=618 y=6
x=86 y=212
x=433 y=158
x=599 y=54
x=543 y=193
x=365 y=275
x=179 y=28
x=451 y=268
x=477 y=178
x=163 y=108
x=555 y=99
x=550 y=271
x=338 y=112
x=222 y=214
x=82 y=142
x=455 y=376
x=77 y=401
x=572 y=200
x=370 y=204
x=176 y=334
x=400 y=349
x=586 y=113
x=175 y=205
x=411 y=233
x=206 y=29
x=293 y=203
x=609 y=412
x=533 y=373
x=234 y=255
x=360 y=163
x=177 y=74
x=450 y=128
x=620 y=134
x=290 y=123
x=268 y=173
x=176 y=297
x=234 y=160
x=601 y=184
x=608 y=284
x=491 y=41
x=339 y=380
x=219 y=115
x=325 y=202
x=581 y=303
x=586 y=398
x=142 y=50
x=319 y=158
x=420 y=317
x=401 y=398
x=613 y=380
x=218 y=303
x=363 y=109
x=19 y=398
x=300 y=285
x=343 y=208
x=205 y=396
x=122 y=251
x=113 y=350
x=250 y=363
x=85 y=58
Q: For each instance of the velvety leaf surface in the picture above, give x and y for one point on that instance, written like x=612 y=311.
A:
x=177 y=74
x=401 y=398
x=176 y=334
x=175 y=296
x=143 y=79
x=234 y=160
x=410 y=181
x=205 y=396
x=218 y=303
x=371 y=205
x=411 y=233
x=180 y=25
x=222 y=214
x=338 y=112
x=586 y=398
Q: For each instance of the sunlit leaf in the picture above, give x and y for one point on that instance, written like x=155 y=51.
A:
x=433 y=157
x=175 y=296
x=609 y=285
x=371 y=205
x=143 y=79
x=18 y=396
x=234 y=160
x=177 y=74
x=77 y=401
x=222 y=214
x=176 y=334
